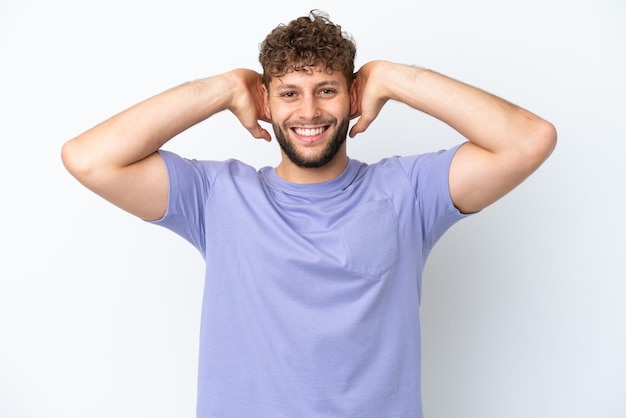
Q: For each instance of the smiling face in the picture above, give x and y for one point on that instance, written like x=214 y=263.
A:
x=310 y=113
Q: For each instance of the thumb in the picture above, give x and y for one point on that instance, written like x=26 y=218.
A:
x=360 y=126
x=258 y=132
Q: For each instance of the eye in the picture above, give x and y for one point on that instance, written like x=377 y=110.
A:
x=288 y=94
x=327 y=92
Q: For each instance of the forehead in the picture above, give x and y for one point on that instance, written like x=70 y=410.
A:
x=309 y=77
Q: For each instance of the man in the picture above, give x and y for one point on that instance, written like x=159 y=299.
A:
x=313 y=268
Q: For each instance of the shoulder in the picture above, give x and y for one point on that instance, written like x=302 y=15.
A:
x=413 y=166
x=211 y=169
x=429 y=160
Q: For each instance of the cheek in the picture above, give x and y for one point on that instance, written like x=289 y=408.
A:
x=278 y=113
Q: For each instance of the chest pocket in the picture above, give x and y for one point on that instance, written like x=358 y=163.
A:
x=370 y=236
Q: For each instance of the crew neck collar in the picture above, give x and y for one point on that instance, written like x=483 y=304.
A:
x=337 y=183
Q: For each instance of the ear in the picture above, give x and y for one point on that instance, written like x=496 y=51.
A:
x=354 y=100
x=266 y=103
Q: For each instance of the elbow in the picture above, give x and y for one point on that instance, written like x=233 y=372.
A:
x=67 y=156
x=548 y=138
x=68 y=152
x=542 y=142
x=74 y=161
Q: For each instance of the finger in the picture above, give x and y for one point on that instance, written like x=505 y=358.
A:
x=260 y=133
x=360 y=126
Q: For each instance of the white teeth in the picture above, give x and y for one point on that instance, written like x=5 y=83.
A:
x=308 y=132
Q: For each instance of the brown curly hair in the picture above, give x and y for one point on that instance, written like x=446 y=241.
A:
x=304 y=43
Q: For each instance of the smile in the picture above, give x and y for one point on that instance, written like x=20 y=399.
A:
x=309 y=131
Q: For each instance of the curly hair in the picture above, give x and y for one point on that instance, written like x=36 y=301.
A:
x=304 y=43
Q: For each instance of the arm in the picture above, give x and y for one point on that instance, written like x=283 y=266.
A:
x=505 y=142
x=118 y=158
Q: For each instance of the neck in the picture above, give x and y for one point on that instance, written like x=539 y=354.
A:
x=292 y=173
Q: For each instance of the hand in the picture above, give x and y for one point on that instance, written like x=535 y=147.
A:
x=370 y=95
x=247 y=103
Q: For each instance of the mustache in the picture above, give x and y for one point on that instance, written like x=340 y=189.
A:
x=312 y=122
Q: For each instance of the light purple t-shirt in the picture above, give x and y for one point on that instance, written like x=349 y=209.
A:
x=312 y=291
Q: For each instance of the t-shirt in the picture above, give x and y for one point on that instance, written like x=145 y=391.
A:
x=312 y=291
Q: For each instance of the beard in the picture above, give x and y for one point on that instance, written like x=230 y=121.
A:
x=321 y=159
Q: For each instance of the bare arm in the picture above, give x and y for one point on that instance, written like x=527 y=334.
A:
x=506 y=143
x=118 y=158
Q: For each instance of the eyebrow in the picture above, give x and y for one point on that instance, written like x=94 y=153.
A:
x=318 y=85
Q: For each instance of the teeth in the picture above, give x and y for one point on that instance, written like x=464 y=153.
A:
x=308 y=132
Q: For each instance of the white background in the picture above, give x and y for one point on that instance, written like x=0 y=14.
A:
x=524 y=311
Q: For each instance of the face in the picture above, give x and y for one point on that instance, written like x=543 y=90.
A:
x=310 y=113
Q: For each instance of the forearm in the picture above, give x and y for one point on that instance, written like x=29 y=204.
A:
x=484 y=119
x=118 y=158
x=141 y=130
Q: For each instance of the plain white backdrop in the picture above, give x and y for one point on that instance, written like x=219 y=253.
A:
x=524 y=304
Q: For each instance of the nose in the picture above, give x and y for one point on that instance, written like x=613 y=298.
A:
x=309 y=108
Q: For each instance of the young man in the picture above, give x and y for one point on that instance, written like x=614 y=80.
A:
x=313 y=268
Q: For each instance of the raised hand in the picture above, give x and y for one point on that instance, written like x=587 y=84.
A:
x=371 y=95
x=247 y=102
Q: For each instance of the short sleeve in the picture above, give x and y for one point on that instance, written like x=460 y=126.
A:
x=429 y=175
x=189 y=189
